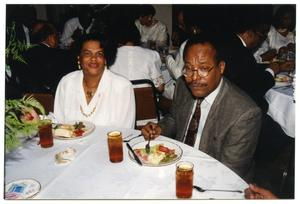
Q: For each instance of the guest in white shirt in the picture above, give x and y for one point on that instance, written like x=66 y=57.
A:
x=135 y=62
x=151 y=29
x=94 y=93
x=75 y=27
x=281 y=37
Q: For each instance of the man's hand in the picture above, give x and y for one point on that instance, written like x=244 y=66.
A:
x=151 y=130
x=255 y=192
x=269 y=55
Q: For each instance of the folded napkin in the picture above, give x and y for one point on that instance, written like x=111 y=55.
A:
x=65 y=157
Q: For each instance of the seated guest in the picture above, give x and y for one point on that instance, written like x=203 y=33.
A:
x=281 y=38
x=208 y=112
x=179 y=34
x=76 y=27
x=250 y=31
x=94 y=93
x=45 y=64
x=135 y=62
x=151 y=29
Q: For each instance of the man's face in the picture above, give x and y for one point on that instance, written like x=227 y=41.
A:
x=202 y=56
x=146 y=20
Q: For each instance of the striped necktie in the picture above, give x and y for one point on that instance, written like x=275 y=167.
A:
x=193 y=126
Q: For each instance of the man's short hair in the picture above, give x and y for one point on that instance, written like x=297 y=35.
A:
x=41 y=31
x=206 y=37
x=146 y=10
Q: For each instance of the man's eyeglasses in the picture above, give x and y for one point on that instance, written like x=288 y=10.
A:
x=203 y=72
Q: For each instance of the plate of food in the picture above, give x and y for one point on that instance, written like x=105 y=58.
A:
x=282 y=80
x=72 y=130
x=162 y=153
x=22 y=189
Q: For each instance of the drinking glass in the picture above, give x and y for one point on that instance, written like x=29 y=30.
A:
x=115 y=146
x=184 y=179
x=45 y=133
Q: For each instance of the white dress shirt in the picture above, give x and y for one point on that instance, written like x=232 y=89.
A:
x=26 y=31
x=69 y=28
x=156 y=32
x=274 y=41
x=134 y=62
x=113 y=103
x=175 y=66
x=205 y=108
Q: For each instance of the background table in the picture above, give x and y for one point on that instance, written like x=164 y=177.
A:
x=92 y=176
x=282 y=108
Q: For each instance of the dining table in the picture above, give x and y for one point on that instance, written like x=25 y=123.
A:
x=282 y=105
x=91 y=175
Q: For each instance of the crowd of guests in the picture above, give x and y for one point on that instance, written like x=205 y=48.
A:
x=216 y=108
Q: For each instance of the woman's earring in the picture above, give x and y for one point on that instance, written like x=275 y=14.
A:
x=79 y=67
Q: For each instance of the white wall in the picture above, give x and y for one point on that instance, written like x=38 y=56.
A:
x=164 y=14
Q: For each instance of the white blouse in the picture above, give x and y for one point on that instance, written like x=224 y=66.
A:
x=157 y=32
x=274 y=41
x=112 y=105
x=134 y=62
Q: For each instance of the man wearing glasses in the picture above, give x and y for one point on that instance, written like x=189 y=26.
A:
x=227 y=121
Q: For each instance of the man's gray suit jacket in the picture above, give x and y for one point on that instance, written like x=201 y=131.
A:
x=231 y=129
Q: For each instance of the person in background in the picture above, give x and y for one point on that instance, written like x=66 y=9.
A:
x=135 y=62
x=45 y=63
x=151 y=29
x=256 y=192
x=179 y=34
x=208 y=112
x=281 y=38
x=94 y=93
x=76 y=27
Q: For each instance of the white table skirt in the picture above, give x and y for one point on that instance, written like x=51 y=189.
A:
x=92 y=176
x=282 y=108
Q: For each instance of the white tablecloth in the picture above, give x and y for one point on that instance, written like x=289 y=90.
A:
x=282 y=108
x=92 y=176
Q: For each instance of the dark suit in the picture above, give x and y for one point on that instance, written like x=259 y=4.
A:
x=231 y=128
x=44 y=69
x=242 y=69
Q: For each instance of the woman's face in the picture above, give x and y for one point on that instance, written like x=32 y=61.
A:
x=91 y=58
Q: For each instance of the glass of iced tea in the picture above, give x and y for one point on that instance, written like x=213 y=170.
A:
x=184 y=179
x=45 y=133
x=115 y=146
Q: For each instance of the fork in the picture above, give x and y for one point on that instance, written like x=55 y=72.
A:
x=147 y=147
x=132 y=138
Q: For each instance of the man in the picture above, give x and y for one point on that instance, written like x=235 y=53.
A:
x=45 y=64
x=76 y=27
x=230 y=120
x=150 y=28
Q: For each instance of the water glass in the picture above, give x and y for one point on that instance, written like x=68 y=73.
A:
x=115 y=146
x=184 y=179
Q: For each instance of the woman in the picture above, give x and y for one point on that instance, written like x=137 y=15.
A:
x=135 y=62
x=94 y=93
x=281 y=37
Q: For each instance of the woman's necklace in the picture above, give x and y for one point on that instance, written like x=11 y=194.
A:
x=89 y=93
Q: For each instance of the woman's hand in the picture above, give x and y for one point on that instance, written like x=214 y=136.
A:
x=269 y=55
x=151 y=130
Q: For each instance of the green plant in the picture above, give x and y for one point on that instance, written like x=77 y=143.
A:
x=21 y=120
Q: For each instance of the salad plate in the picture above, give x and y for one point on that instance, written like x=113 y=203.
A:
x=162 y=153
x=22 y=189
x=72 y=130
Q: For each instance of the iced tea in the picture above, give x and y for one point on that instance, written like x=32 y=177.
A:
x=45 y=134
x=184 y=179
x=115 y=146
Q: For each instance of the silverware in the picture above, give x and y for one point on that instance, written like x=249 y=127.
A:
x=147 y=147
x=132 y=138
x=137 y=159
x=203 y=190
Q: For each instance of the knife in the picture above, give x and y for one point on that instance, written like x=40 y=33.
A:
x=137 y=159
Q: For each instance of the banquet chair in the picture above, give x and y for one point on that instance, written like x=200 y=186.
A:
x=146 y=102
x=46 y=99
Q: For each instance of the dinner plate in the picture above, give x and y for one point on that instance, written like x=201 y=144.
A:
x=22 y=189
x=282 y=80
x=89 y=128
x=170 y=145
